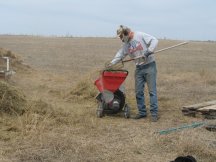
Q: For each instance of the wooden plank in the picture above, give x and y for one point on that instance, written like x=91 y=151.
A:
x=188 y=112
x=207 y=108
x=200 y=105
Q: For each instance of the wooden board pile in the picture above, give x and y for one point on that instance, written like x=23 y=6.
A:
x=206 y=109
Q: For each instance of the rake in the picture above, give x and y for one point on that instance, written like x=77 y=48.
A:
x=120 y=64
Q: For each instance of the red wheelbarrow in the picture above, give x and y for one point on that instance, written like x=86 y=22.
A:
x=111 y=99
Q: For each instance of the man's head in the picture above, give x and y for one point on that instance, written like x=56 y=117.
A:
x=123 y=33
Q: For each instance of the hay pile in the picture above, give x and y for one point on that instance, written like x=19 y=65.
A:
x=7 y=53
x=84 y=89
x=16 y=63
x=12 y=101
x=40 y=107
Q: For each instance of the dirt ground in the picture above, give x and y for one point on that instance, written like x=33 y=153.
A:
x=57 y=75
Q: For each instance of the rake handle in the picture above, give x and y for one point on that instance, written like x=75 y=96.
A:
x=164 y=49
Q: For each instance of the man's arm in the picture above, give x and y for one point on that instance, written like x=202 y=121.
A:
x=120 y=55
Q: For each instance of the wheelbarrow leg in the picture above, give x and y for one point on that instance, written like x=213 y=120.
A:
x=127 y=111
x=100 y=110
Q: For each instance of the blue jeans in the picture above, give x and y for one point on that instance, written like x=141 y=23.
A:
x=146 y=74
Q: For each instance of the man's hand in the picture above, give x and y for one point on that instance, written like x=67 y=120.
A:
x=108 y=65
x=147 y=53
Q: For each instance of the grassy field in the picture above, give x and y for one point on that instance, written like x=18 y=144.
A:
x=55 y=76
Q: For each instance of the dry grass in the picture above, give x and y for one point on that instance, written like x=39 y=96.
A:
x=12 y=101
x=60 y=122
x=83 y=89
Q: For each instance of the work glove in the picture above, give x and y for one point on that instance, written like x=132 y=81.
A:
x=147 y=53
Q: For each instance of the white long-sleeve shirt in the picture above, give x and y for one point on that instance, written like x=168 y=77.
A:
x=136 y=47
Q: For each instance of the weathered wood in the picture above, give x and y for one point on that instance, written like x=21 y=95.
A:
x=200 y=105
x=187 y=112
x=208 y=108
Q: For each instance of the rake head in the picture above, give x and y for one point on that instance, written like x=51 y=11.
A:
x=117 y=66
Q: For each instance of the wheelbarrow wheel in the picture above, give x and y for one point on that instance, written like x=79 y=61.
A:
x=126 y=111
x=100 y=111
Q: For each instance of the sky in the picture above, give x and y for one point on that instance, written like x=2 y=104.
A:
x=170 y=19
